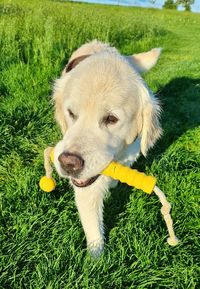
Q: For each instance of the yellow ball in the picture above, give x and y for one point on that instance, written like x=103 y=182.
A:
x=47 y=184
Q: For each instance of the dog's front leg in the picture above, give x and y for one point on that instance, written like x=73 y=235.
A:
x=89 y=202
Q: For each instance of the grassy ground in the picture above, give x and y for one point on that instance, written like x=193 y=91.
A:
x=42 y=244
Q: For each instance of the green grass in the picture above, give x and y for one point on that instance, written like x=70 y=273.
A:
x=42 y=244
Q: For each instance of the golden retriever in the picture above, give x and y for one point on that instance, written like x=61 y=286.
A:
x=106 y=112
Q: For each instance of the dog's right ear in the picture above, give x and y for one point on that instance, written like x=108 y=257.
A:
x=58 y=103
x=58 y=92
x=74 y=62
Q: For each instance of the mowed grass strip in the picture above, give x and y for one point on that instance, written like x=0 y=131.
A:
x=42 y=244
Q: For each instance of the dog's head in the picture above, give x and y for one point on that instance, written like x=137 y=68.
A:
x=102 y=106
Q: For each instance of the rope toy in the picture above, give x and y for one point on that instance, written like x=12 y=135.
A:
x=125 y=175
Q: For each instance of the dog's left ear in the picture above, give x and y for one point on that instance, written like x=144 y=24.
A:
x=150 y=129
x=146 y=126
x=143 y=62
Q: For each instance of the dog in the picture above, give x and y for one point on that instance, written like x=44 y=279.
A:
x=105 y=112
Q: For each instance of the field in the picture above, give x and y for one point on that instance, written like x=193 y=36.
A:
x=42 y=244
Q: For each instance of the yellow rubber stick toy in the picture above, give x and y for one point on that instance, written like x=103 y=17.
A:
x=125 y=175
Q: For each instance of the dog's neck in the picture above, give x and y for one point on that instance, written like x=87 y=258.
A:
x=130 y=154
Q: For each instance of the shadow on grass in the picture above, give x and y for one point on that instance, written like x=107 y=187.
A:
x=180 y=100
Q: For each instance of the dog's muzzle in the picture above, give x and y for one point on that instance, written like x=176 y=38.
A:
x=84 y=183
x=71 y=163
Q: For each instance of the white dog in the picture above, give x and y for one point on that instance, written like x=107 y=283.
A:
x=106 y=112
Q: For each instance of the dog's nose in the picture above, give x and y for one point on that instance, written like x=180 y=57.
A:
x=71 y=163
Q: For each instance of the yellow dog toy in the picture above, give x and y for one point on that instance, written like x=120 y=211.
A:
x=123 y=174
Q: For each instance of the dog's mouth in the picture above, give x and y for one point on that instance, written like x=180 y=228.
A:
x=84 y=183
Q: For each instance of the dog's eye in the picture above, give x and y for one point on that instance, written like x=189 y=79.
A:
x=110 y=119
x=71 y=114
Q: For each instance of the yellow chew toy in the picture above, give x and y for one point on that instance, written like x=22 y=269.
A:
x=123 y=174
x=130 y=176
x=115 y=170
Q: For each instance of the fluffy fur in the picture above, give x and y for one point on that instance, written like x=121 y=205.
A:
x=102 y=84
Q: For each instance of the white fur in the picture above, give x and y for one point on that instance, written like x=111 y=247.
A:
x=103 y=83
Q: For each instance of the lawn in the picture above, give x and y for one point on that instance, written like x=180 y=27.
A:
x=42 y=244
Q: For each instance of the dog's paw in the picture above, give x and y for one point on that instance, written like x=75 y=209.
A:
x=96 y=247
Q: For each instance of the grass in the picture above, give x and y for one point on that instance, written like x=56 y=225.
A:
x=42 y=244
